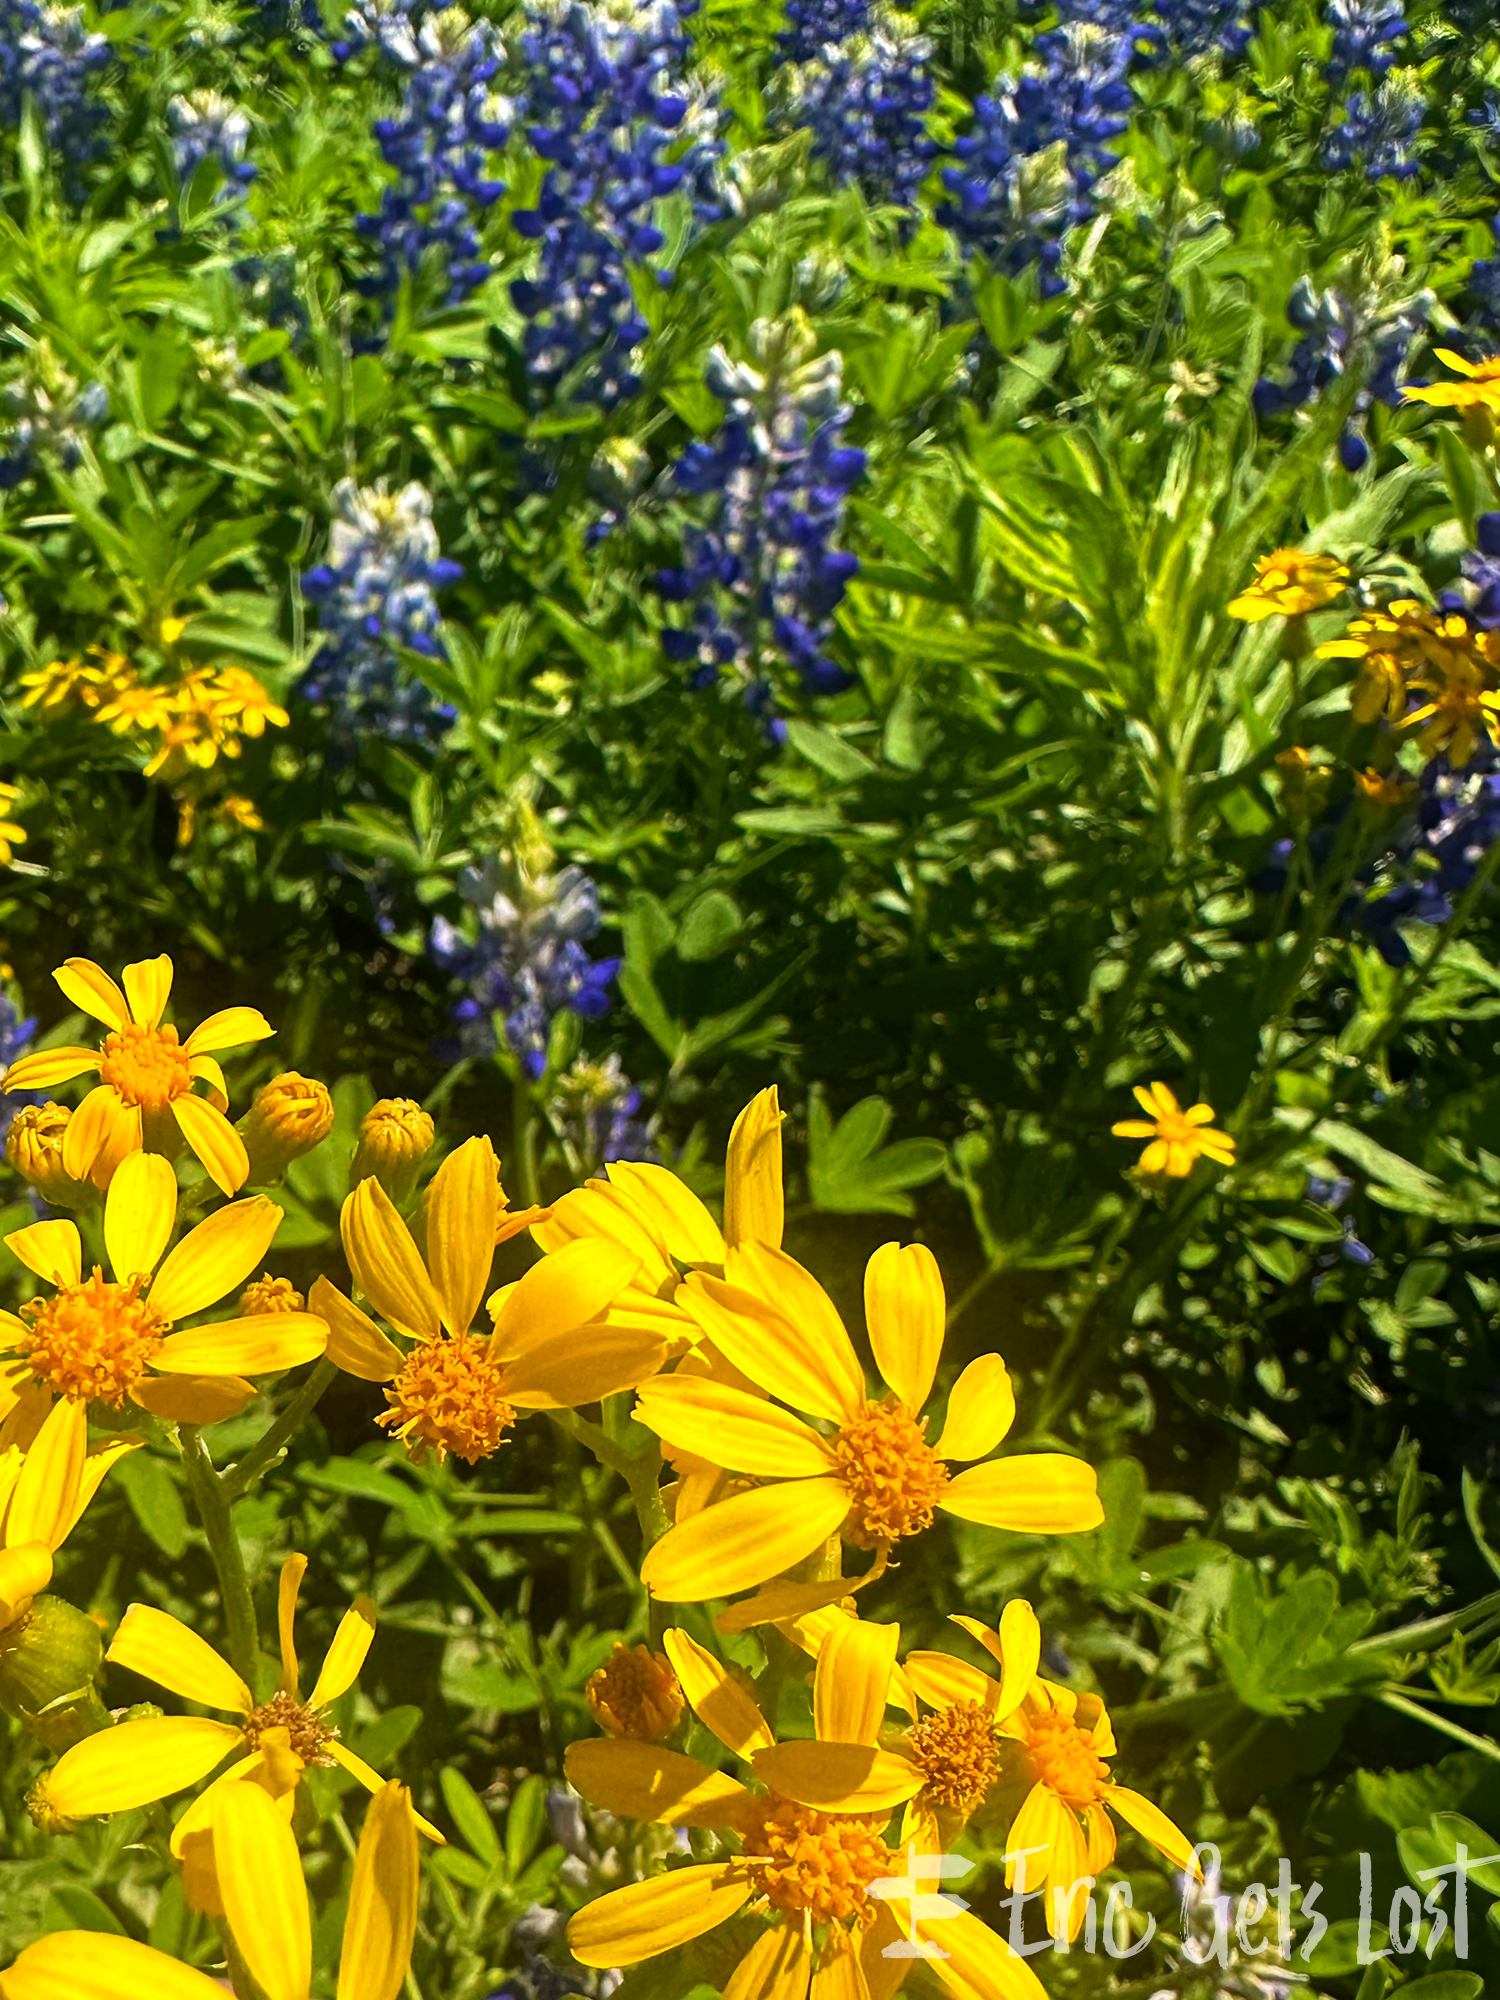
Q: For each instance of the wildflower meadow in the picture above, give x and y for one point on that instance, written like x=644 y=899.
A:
x=749 y=976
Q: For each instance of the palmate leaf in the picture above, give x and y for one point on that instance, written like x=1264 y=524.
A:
x=850 y=1169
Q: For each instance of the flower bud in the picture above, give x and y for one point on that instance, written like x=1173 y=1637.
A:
x=49 y=1658
x=394 y=1139
x=754 y=1206
x=34 y=1148
x=291 y=1114
x=270 y=1295
x=636 y=1694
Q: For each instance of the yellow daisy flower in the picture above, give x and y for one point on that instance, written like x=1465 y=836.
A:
x=1289 y=583
x=1479 y=388
x=1460 y=714
x=553 y=1346
x=76 y=684
x=1179 y=1139
x=869 y=1473
x=12 y=833
x=266 y=1908
x=659 y=1219
x=44 y=1491
x=144 y=707
x=275 y=1741
x=239 y=699
x=1064 y=1739
x=111 y=1341
x=144 y=1097
x=808 y=1870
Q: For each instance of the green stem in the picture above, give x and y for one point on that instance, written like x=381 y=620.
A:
x=523 y=1141
x=241 y=1477
x=212 y=1502
x=1391 y=1699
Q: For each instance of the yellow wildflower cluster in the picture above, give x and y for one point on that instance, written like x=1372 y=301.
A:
x=12 y=834
x=1289 y=583
x=1408 y=650
x=186 y=723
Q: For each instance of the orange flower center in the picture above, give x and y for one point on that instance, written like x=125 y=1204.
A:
x=148 y=1066
x=819 y=1863
x=270 y=1295
x=894 y=1476
x=93 y=1341
x=308 y=1735
x=450 y=1396
x=1063 y=1758
x=1175 y=1129
x=959 y=1751
x=635 y=1693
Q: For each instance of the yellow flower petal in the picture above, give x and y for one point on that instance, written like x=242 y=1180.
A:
x=669 y=1210
x=729 y=1428
x=139 y=1211
x=566 y=1290
x=801 y=1301
x=648 y=1918
x=53 y=1250
x=565 y=1371
x=206 y=1070
x=777 y=1966
x=25 y=1572
x=135 y=1763
x=265 y=1897
x=215 y=1258
x=1042 y=1493
x=1151 y=1822
x=148 y=987
x=230 y=1028
x=852 y=1681
x=193 y=1399
x=355 y=1342
x=754 y=1204
x=905 y=1312
x=288 y=1588
x=386 y=1264
x=102 y=1132
x=373 y=1783
x=744 y=1541
x=781 y=1603
x=461 y=1231
x=96 y=1965
x=1034 y=1826
x=45 y=1067
x=839 y=1777
x=381 y=1926
x=941 y=1680
x=716 y=1697
x=768 y=1349
x=44 y=1503
x=1020 y=1654
x=838 y=1976
x=161 y=1648
x=981 y=1410
x=263 y=1344
x=211 y=1136
x=346 y=1655
x=979 y=1965
x=91 y=989
x=599 y=1210
x=637 y=1780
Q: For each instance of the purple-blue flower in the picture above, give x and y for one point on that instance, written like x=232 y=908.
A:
x=865 y=101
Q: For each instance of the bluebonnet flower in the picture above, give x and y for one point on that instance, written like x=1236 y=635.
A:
x=451 y=123
x=48 y=415
x=1025 y=173
x=525 y=960
x=1484 y=279
x=207 y=126
x=1363 y=31
x=1378 y=130
x=49 y=54
x=1325 y=1193
x=762 y=574
x=1194 y=27
x=15 y=1040
x=375 y=593
x=1481 y=568
x=389 y=26
x=865 y=102
x=1336 y=326
x=609 y=113
x=597 y=1109
x=812 y=24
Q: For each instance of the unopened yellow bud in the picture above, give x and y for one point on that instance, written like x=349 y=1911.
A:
x=34 y=1148
x=49 y=1659
x=754 y=1206
x=635 y=1693
x=270 y=1295
x=291 y=1114
x=394 y=1140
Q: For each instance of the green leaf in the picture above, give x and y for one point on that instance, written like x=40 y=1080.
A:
x=154 y=1500
x=850 y=1169
x=710 y=926
x=470 y=1815
x=84 y=1911
x=525 y=1821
